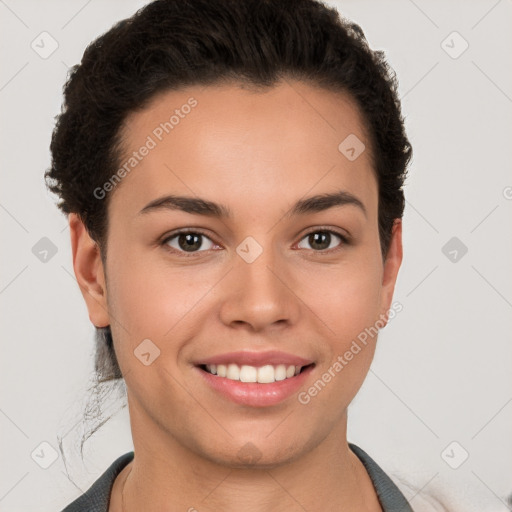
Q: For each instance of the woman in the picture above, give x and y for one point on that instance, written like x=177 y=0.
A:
x=232 y=171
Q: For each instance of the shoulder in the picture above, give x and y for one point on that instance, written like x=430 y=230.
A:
x=96 y=498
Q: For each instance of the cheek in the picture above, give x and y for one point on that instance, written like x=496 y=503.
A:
x=148 y=296
x=150 y=299
x=349 y=306
x=151 y=302
x=350 y=298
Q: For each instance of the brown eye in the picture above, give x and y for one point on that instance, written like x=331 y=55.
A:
x=187 y=241
x=321 y=240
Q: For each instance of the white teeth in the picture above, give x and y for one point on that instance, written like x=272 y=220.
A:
x=248 y=374
x=280 y=372
x=233 y=372
x=266 y=374
x=263 y=374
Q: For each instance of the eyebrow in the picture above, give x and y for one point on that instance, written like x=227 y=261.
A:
x=199 y=206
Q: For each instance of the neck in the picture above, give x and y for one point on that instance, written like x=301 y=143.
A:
x=168 y=475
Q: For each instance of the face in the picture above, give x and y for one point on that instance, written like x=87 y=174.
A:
x=251 y=273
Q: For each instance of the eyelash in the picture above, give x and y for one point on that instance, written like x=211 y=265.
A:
x=344 y=241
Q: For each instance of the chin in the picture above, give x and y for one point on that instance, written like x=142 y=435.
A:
x=255 y=454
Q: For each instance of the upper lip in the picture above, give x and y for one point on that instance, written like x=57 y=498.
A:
x=272 y=357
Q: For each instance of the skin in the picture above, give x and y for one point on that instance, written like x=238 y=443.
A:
x=257 y=153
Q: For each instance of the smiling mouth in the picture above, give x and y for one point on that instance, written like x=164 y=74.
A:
x=266 y=374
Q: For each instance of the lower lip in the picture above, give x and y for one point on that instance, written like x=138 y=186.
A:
x=253 y=393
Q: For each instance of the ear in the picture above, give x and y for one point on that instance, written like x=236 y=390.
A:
x=89 y=272
x=391 y=267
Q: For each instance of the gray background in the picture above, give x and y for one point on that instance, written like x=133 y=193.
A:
x=442 y=367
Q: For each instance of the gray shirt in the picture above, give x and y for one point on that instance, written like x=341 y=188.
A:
x=97 y=498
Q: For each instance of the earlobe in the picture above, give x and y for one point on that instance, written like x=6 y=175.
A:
x=89 y=272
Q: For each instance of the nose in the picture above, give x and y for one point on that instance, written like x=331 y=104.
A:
x=259 y=295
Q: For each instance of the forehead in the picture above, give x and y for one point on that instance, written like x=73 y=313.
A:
x=230 y=141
